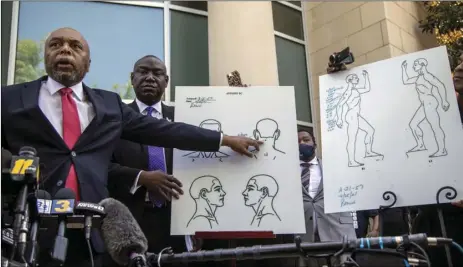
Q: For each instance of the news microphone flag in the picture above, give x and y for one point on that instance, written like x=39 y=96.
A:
x=56 y=206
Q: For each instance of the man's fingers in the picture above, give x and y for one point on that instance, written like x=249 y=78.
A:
x=175 y=180
x=246 y=153
x=161 y=192
x=169 y=191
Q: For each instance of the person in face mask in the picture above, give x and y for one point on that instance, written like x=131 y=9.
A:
x=320 y=227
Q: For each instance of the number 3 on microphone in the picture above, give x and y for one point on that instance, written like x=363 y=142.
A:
x=63 y=206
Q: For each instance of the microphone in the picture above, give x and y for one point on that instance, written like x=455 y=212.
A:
x=6 y=159
x=24 y=170
x=88 y=210
x=62 y=205
x=122 y=235
x=34 y=247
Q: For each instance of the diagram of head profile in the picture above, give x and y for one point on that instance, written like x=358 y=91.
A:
x=267 y=130
x=208 y=194
x=259 y=194
x=213 y=125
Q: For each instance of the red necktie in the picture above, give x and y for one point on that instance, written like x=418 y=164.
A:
x=71 y=133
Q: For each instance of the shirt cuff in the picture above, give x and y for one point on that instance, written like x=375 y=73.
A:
x=221 y=138
x=135 y=185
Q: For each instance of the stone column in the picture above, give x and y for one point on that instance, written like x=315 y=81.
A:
x=241 y=38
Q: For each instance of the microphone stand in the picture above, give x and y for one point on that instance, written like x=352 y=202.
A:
x=297 y=249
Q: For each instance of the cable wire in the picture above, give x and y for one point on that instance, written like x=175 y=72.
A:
x=90 y=252
x=423 y=252
x=457 y=246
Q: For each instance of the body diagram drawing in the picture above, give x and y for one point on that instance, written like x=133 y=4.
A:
x=211 y=125
x=431 y=92
x=349 y=110
x=267 y=130
x=259 y=194
x=208 y=194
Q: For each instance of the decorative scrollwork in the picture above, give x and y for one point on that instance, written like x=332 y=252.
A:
x=387 y=196
x=450 y=194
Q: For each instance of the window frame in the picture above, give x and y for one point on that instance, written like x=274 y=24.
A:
x=167 y=6
x=304 y=43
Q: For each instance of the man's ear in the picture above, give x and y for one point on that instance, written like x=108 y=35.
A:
x=265 y=191
x=256 y=134
x=167 y=79
x=202 y=193
x=276 y=135
x=131 y=77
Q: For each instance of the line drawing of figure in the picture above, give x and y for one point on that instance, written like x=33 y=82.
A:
x=208 y=194
x=214 y=125
x=349 y=109
x=267 y=130
x=425 y=83
x=259 y=194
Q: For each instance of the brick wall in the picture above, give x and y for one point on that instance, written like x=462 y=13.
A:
x=373 y=30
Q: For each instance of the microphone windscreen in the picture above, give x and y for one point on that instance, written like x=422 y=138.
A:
x=65 y=193
x=6 y=159
x=121 y=233
x=42 y=194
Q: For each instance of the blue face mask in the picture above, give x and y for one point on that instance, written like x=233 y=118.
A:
x=306 y=152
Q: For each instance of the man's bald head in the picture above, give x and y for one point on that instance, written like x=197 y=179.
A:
x=67 y=56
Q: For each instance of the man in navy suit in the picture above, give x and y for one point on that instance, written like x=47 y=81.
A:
x=75 y=128
x=149 y=80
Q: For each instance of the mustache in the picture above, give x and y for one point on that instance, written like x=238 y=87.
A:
x=64 y=61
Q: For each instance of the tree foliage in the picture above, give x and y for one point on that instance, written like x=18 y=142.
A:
x=445 y=20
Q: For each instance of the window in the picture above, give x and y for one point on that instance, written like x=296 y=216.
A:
x=199 y=5
x=107 y=36
x=291 y=55
x=287 y=20
x=189 y=49
x=7 y=8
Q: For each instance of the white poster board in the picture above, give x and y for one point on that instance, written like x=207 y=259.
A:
x=225 y=191
x=394 y=135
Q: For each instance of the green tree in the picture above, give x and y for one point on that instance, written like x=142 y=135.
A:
x=445 y=20
x=28 y=58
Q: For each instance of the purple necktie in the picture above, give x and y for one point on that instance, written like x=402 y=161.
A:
x=156 y=161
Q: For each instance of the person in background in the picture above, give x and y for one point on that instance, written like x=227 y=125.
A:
x=75 y=128
x=149 y=202
x=427 y=220
x=320 y=227
x=362 y=222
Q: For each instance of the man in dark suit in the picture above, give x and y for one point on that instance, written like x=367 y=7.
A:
x=149 y=80
x=75 y=128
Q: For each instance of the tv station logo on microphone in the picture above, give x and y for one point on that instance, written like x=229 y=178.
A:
x=55 y=207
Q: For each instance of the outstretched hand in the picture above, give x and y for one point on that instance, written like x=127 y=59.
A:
x=339 y=124
x=365 y=73
x=241 y=144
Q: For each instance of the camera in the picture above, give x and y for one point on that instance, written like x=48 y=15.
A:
x=339 y=60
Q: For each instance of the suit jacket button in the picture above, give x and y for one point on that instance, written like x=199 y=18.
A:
x=59 y=183
x=310 y=218
x=73 y=153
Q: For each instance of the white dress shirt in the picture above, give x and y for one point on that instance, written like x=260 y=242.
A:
x=315 y=177
x=50 y=104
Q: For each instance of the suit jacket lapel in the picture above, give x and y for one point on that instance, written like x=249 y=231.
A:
x=98 y=106
x=320 y=187
x=167 y=112
x=30 y=101
x=144 y=148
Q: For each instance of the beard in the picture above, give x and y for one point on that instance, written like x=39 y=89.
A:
x=66 y=78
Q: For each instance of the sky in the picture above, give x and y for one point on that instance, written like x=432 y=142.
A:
x=118 y=34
